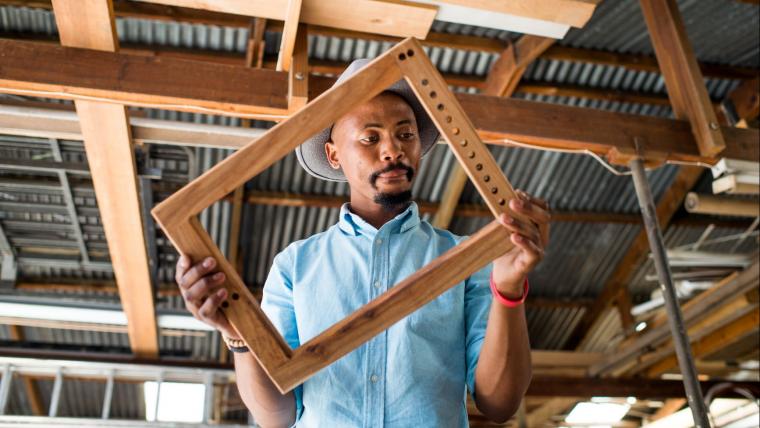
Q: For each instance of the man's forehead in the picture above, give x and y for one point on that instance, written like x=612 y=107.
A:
x=386 y=109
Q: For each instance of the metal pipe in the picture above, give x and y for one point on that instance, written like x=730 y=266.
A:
x=56 y=397
x=5 y=388
x=675 y=318
x=108 y=398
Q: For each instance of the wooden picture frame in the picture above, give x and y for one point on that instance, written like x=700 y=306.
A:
x=178 y=215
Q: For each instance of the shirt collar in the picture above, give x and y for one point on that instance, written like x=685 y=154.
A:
x=355 y=225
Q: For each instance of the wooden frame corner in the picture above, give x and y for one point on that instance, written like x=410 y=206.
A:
x=288 y=367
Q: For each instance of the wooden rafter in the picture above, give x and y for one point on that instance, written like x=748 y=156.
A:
x=686 y=88
x=237 y=91
x=502 y=81
x=254 y=54
x=288 y=39
x=129 y=8
x=111 y=159
x=400 y=19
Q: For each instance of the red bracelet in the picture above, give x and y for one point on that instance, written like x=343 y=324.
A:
x=508 y=302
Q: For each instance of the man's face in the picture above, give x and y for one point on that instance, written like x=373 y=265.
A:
x=378 y=148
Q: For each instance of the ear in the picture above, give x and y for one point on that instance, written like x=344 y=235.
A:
x=332 y=154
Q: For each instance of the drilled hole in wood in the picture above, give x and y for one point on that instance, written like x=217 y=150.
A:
x=433 y=94
x=494 y=190
x=401 y=56
x=225 y=304
x=410 y=52
x=486 y=178
x=235 y=296
x=479 y=166
x=455 y=131
x=448 y=119
x=464 y=143
x=502 y=202
x=424 y=82
x=471 y=155
x=440 y=106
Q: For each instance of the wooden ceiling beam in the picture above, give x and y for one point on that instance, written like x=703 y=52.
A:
x=60 y=72
x=401 y=19
x=105 y=127
x=745 y=100
x=686 y=86
x=288 y=39
x=132 y=9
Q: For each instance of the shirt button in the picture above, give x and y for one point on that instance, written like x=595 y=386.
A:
x=377 y=284
x=373 y=378
x=379 y=241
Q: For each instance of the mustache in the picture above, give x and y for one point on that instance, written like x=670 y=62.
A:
x=409 y=172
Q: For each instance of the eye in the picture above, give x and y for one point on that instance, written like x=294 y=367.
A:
x=406 y=135
x=370 y=138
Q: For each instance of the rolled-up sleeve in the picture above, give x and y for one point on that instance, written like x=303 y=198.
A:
x=477 y=302
x=277 y=304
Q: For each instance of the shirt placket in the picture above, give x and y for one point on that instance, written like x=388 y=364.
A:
x=376 y=347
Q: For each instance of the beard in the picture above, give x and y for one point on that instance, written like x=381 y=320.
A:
x=390 y=201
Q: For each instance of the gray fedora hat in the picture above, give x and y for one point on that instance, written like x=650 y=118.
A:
x=311 y=154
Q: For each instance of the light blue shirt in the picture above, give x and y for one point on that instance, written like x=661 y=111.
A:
x=414 y=374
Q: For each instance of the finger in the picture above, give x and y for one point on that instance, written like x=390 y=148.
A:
x=531 y=210
x=203 y=287
x=197 y=272
x=528 y=247
x=209 y=311
x=183 y=263
x=528 y=229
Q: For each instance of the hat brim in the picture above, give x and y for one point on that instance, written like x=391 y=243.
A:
x=311 y=154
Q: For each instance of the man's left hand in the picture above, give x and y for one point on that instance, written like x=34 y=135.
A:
x=530 y=237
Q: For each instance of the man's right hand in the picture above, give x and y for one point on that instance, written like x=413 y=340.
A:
x=200 y=286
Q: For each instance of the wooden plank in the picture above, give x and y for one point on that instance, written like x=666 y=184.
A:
x=671 y=406
x=575 y=13
x=538 y=417
x=237 y=91
x=254 y=56
x=298 y=74
x=90 y=24
x=713 y=342
x=686 y=87
x=397 y=18
x=721 y=205
x=65 y=72
x=288 y=39
x=641 y=388
x=669 y=203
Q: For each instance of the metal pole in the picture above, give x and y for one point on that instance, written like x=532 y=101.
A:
x=675 y=318
x=55 y=399
x=5 y=388
x=108 y=398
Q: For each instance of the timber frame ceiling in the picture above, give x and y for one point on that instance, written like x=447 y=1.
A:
x=61 y=228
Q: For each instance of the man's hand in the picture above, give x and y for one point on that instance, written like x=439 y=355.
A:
x=530 y=239
x=200 y=287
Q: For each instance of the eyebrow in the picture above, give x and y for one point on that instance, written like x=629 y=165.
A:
x=378 y=125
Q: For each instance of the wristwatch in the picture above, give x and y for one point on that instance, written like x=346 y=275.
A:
x=235 y=345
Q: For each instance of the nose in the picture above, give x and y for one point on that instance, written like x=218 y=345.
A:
x=391 y=150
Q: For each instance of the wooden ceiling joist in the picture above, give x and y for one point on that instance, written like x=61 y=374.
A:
x=132 y=9
x=60 y=72
x=288 y=39
x=401 y=19
x=686 y=87
x=105 y=128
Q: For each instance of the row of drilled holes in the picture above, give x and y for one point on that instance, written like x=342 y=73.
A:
x=486 y=178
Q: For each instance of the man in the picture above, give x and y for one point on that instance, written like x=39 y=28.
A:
x=416 y=373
